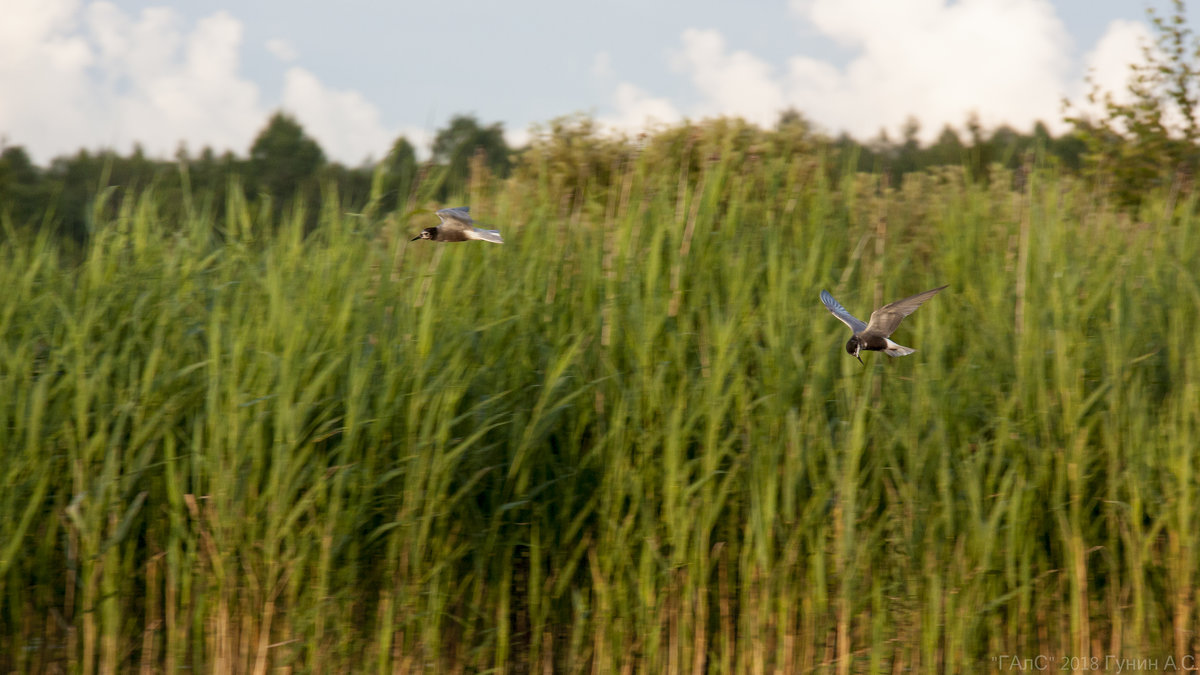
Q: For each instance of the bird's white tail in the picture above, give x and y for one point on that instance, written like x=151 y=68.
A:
x=487 y=235
x=894 y=349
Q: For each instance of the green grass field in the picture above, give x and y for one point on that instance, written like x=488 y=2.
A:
x=628 y=440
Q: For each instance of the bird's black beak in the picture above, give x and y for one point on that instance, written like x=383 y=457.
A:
x=415 y=238
x=860 y=359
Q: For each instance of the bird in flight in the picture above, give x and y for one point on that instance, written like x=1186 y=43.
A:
x=874 y=336
x=457 y=225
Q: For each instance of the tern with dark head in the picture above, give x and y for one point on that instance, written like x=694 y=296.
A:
x=874 y=336
x=457 y=225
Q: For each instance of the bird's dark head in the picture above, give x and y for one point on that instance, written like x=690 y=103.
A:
x=427 y=233
x=853 y=345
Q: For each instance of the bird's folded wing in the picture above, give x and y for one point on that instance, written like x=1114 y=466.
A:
x=458 y=218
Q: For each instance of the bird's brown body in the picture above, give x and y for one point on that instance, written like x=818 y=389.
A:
x=457 y=225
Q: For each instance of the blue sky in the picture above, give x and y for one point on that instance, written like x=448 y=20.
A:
x=358 y=74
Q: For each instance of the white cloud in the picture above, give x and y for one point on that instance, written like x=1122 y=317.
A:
x=731 y=82
x=1008 y=61
x=40 y=28
x=635 y=109
x=1108 y=63
x=178 y=86
x=1123 y=43
x=517 y=138
x=344 y=122
x=96 y=76
x=85 y=76
x=43 y=62
x=282 y=50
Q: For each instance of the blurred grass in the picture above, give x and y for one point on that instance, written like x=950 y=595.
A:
x=627 y=439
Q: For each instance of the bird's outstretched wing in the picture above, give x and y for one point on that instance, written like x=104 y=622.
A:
x=840 y=312
x=458 y=218
x=886 y=319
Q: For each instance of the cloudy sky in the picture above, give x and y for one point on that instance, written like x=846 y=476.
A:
x=359 y=73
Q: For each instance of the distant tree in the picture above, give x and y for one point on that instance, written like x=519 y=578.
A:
x=22 y=189
x=792 y=119
x=1069 y=148
x=849 y=154
x=572 y=158
x=454 y=147
x=353 y=184
x=17 y=166
x=906 y=157
x=794 y=132
x=210 y=173
x=1150 y=140
x=948 y=150
x=75 y=180
x=1005 y=146
x=283 y=160
x=400 y=170
x=979 y=153
x=1041 y=134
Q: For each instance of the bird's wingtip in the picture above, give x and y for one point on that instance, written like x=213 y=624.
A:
x=488 y=235
x=894 y=349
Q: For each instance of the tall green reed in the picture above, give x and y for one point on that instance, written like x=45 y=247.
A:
x=628 y=438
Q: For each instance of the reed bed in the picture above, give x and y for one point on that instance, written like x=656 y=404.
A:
x=628 y=440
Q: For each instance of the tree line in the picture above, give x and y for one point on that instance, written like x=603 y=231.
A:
x=284 y=167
